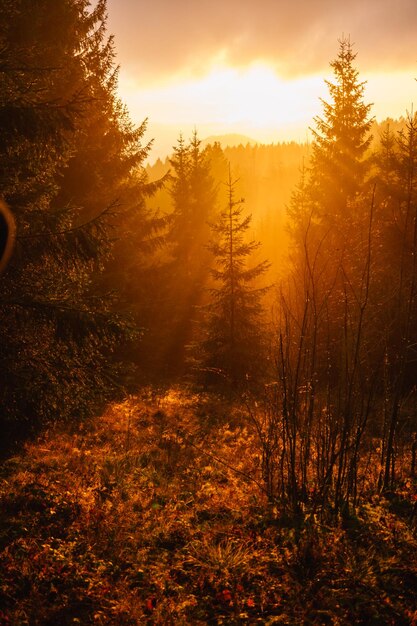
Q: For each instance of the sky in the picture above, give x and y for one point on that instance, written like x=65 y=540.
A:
x=256 y=67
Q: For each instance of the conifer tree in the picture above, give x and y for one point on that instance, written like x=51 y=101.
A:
x=232 y=349
x=57 y=335
x=325 y=340
x=181 y=218
x=193 y=199
x=341 y=138
x=329 y=212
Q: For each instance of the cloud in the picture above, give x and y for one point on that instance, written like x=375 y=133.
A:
x=159 y=39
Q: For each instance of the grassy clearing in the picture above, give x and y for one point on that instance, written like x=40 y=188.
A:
x=137 y=517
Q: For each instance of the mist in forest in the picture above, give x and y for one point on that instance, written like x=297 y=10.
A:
x=208 y=359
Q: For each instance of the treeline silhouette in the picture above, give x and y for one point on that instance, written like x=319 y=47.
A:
x=117 y=281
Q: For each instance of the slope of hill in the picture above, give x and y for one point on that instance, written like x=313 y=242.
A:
x=154 y=513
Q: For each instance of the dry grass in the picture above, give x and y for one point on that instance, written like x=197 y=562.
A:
x=140 y=517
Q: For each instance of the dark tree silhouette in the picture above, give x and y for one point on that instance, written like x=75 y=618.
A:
x=58 y=80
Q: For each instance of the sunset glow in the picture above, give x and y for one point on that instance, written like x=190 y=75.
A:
x=228 y=68
x=227 y=99
x=254 y=101
x=208 y=312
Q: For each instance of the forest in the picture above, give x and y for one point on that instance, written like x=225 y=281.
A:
x=208 y=384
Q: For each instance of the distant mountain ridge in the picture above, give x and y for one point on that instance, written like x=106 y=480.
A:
x=229 y=140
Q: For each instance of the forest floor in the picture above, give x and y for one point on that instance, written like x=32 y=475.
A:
x=148 y=515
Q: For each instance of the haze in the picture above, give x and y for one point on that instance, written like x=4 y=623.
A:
x=258 y=69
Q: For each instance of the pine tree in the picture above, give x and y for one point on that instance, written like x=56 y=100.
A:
x=181 y=218
x=341 y=138
x=193 y=197
x=325 y=339
x=233 y=347
x=193 y=204
x=329 y=211
x=57 y=334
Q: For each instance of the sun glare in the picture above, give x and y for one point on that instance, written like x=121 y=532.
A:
x=254 y=101
x=251 y=99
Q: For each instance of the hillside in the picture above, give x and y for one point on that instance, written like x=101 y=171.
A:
x=154 y=513
x=208 y=390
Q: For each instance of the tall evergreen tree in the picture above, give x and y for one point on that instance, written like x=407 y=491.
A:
x=193 y=198
x=341 y=138
x=193 y=205
x=181 y=217
x=56 y=335
x=232 y=349
x=329 y=212
x=326 y=342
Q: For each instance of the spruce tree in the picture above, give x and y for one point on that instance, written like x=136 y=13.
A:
x=232 y=349
x=193 y=205
x=193 y=199
x=57 y=334
x=326 y=339
x=341 y=138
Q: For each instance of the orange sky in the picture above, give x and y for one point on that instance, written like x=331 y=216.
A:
x=256 y=67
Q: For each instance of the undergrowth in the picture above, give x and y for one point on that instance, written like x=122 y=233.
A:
x=153 y=514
